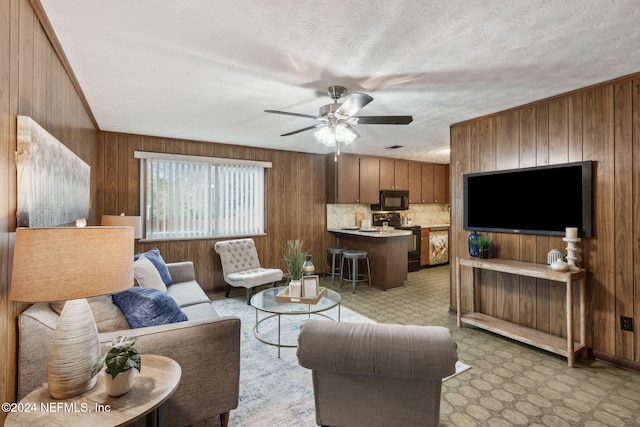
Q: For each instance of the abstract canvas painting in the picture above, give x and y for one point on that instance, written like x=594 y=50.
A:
x=53 y=183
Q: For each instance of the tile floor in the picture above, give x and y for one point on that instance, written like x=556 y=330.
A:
x=509 y=384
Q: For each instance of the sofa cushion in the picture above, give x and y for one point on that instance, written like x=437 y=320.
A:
x=200 y=311
x=147 y=275
x=107 y=315
x=148 y=307
x=188 y=293
x=156 y=259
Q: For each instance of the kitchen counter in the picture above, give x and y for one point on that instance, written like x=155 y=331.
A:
x=378 y=233
x=388 y=254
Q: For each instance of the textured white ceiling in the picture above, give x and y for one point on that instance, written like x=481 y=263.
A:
x=206 y=69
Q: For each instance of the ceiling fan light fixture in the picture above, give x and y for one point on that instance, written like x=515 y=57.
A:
x=332 y=135
x=345 y=134
x=325 y=136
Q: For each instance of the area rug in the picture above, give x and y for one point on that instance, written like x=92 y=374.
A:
x=275 y=391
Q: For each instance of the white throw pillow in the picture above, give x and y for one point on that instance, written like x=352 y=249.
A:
x=147 y=274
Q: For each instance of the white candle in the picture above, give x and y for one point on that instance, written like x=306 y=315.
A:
x=571 y=232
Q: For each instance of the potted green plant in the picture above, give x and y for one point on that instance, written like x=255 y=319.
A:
x=483 y=242
x=294 y=258
x=121 y=360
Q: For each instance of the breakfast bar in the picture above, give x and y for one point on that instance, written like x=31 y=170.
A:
x=387 y=253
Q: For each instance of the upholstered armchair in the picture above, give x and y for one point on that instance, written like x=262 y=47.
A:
x=241 y=266
x=370 y=374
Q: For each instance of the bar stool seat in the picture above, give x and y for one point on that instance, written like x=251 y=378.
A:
x=334 y=251
x=352 y=257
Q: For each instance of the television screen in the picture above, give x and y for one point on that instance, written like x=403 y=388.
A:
x=540 y=200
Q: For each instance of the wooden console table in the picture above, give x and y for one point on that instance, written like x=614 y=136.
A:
x=549 y=342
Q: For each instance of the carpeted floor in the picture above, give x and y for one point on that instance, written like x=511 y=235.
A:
x=510 y=383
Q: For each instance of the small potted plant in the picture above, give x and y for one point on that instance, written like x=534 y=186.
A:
x=120 y=360
x=294 y=258
x=483 y=242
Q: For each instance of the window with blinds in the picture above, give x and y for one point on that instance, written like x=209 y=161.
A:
x=190 y=197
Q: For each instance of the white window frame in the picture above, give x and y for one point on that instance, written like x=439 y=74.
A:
x=219 y=174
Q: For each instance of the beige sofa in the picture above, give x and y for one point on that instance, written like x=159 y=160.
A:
x=207 y=347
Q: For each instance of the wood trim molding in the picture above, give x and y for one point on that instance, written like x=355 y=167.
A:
x=616 y=361
x=48 y=29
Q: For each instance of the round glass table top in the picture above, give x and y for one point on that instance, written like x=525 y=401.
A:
x=266 y=301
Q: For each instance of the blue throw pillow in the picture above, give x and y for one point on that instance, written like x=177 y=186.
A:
x=148 y=307
x=156 y=259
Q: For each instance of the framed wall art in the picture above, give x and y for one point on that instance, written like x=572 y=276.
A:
x=53 y=183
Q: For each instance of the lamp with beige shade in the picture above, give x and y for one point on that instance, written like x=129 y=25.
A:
x=57 y=264
x=123 y=220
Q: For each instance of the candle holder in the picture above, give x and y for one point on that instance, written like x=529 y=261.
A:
x=572 y=253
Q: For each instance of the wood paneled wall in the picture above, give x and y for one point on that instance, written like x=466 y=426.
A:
x=296 y=206
x=33 y=82
x=600 y=123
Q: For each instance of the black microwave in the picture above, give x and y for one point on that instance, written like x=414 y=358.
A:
x=392 y=200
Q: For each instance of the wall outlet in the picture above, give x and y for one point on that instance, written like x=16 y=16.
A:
x=626 y=323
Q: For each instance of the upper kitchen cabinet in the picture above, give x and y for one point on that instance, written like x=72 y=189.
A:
x=387 y=178
x=435 y=183
x=343 y=179
x=394 y=174
x=401 y=174
x=415 y=182
x=427 y=183
x=359 y=179
x=440 y=183
x=369 y=180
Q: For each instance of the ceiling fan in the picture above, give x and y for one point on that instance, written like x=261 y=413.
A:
x=336 y=119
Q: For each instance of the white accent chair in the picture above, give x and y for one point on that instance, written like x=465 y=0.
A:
x=241 y=266
x=374 y=374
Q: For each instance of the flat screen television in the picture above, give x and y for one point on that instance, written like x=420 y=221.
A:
x=540 y=200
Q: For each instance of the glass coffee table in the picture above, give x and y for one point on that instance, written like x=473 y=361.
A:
x=265 y=302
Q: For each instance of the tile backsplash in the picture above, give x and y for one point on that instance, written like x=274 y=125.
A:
x=339 y=216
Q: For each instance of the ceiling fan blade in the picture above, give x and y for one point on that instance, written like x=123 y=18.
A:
x=353 y=104
x=383 y=120
x=304 y=129
x=286 y=113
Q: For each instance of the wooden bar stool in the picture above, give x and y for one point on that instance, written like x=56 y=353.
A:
x=334 y=251
x=352 y=257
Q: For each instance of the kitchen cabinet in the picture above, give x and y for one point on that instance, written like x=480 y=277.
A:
x=424 y=247
x=427 y=183
x=401 y=174
x=415 y=182
x=358 y=179
x=369 y=180
x=394 y=174
x=435 y=183
x=440 y=183
x=387 y=171
x=343 y=179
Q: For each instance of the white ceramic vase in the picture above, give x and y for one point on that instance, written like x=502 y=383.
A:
x=121 y=384
x=295 y=288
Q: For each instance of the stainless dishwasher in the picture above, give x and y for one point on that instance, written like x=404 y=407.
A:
x=438 y=245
